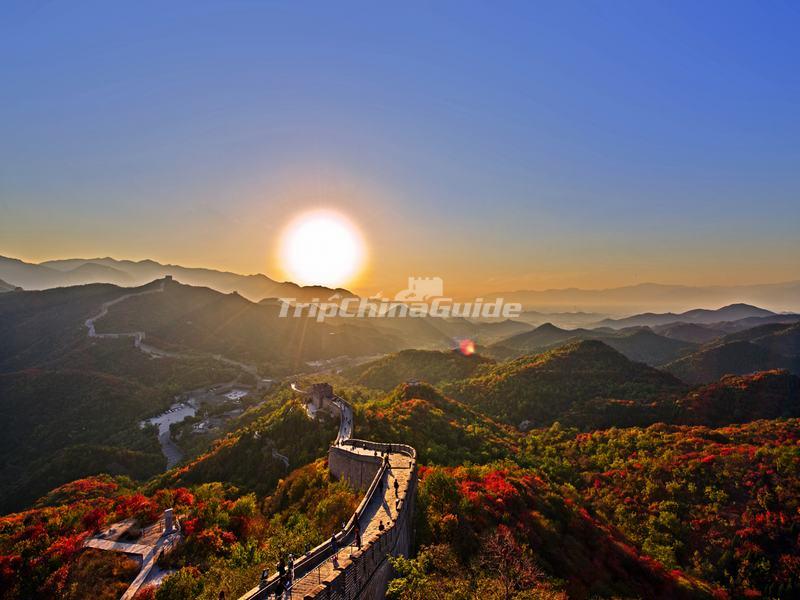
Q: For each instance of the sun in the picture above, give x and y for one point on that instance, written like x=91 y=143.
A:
x=321 y=248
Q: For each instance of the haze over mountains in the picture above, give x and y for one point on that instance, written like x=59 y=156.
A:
x=570 y=307
x=584 y=384
x=778 y=297
x=76 y=271
x=732 y=312
x=770 y=346
x=691 y=343
x=695 y=353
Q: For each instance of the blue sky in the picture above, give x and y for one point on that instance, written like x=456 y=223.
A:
x=494 y=144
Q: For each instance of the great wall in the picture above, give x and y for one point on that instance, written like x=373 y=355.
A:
x=385 y=516
x=387 y=472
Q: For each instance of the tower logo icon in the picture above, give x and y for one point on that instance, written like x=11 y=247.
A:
x=421 y=289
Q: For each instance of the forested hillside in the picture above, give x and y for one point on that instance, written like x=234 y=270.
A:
x=582 y=381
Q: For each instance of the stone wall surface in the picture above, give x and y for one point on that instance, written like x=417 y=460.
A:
x=357 y=469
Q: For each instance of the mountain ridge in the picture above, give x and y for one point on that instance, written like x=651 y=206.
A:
x=6 y=287
x=564 y=384
x=636 y=343
x=779 y=296
x=76 y=271
x=697 y=316
x=764 y=347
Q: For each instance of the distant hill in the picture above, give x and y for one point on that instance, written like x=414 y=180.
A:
x=689 y=332
x=564 y=384
x=776 y=337
x=750 y=322
x=741 y=399
x=736 y=358
x=38 y=277
x=767 y=394
x=39 y=326
x=648 y=347
x=185 y=318
x=245 y=457
x=770 y=346
x=487 y=332
x=655 y=297
x=444 y=431
x=204 y=320
x=733 y=312
x=77 y=271
x=430 y=366
x=62 y=392
x=567 y=320
x=90 y=272
x=6 y=287
x=759 y=332
x=543 y=336
x=642 y=345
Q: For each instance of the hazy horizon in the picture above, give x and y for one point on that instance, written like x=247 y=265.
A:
x=620 y=301
x=274 y=276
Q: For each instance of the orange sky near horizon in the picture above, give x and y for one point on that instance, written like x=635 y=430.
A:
x=463 y=272
x=473 y=254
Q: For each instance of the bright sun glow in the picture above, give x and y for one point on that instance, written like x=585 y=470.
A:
x=321 y=248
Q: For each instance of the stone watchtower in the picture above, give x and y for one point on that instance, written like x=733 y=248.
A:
x=320 y=393
x=169 y=521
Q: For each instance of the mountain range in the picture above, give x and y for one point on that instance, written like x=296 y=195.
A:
x=732 y=312
x=653 y=296
x=770 y=346
x=602 y=466
x=128 y=273
x=587 y=306
x=6 y=287
x=636 y=343
x=699 y=346
x=562 y=385
x=586 y=384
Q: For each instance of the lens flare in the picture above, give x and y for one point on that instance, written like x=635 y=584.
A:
x=466 y=347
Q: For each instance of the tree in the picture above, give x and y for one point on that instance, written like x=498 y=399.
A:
x=509 y=561
x=183 y=585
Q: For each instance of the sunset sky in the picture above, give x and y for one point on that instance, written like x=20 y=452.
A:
x=497 y=145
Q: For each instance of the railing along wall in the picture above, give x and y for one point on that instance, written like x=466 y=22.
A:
x=359 y=568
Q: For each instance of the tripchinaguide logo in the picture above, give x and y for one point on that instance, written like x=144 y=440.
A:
x=423 y=297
